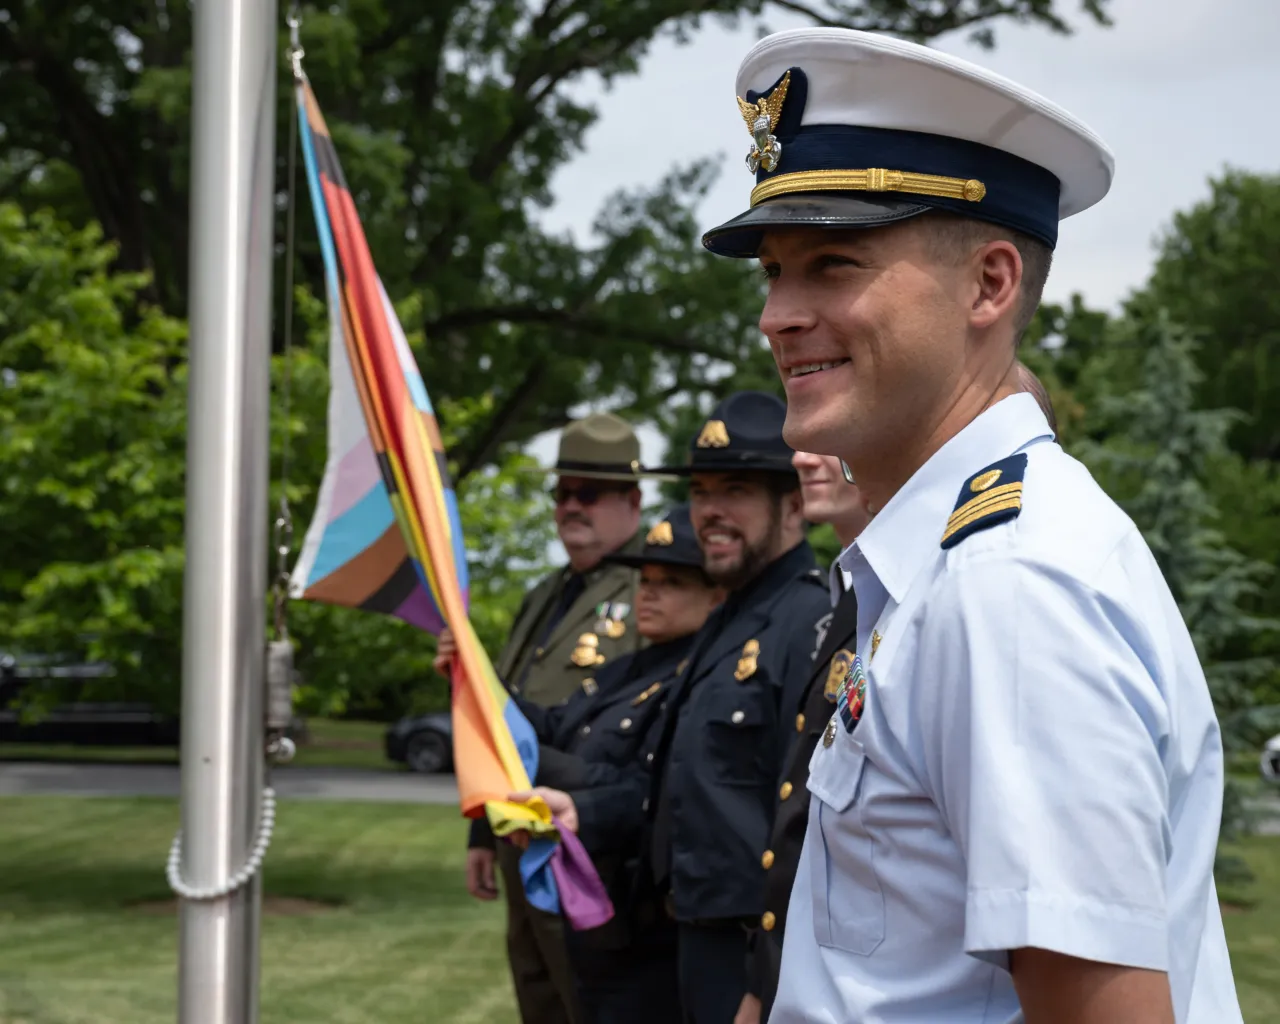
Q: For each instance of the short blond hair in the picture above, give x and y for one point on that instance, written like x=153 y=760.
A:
x=953 y=237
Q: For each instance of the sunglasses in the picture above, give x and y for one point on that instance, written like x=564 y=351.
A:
x=587 y=494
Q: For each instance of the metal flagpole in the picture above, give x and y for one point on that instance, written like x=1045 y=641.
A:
x=232 y=169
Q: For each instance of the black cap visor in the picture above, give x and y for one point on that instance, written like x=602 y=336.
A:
x=749 y=462
x=687 y=560
x=741 y=237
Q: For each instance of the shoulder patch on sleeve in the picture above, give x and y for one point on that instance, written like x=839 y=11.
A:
x=991 y=496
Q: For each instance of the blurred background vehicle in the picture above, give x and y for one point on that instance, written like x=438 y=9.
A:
x=1271 y=760
x=422 y=742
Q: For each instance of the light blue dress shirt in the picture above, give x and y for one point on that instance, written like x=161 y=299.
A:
x=1037 y=762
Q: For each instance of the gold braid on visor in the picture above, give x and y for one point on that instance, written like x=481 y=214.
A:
x=872 y=179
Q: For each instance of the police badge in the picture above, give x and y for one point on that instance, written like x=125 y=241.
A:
x=586 y=653
x=840 y=662
x=747 y=663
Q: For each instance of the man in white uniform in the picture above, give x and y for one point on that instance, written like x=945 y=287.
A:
x=1015 y=807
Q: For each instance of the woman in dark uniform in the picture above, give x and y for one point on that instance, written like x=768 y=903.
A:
x=626 y=969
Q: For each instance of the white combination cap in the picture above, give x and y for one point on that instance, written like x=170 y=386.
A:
x=852 y=129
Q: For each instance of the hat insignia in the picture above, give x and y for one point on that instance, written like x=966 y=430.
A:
x=660 y=535
x=714 y=435
x=762 y=118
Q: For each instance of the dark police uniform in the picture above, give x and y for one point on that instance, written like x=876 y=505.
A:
x=719 y=749
x=568 y=627
x=815 y=704
x=625 y=970
x=717 y=753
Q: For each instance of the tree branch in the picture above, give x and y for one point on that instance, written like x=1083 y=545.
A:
x=578 y=323
x=481 y=451
x=577 y=52
x=820 y=20
x=921 y=25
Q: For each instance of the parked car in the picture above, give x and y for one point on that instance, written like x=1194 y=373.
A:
x=68 y=717
x=1271 y=760
x=423 y=742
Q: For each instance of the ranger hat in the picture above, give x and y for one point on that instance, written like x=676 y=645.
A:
x=670 y=541
x=742 y=434
x=851 y=129
x=601 y=446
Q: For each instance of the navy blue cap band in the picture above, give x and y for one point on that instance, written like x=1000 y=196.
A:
x=1015 y=193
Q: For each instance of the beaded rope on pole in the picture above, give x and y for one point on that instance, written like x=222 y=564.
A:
x=266 y=826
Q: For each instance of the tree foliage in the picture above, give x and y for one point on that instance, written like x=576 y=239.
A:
x=451 y=119
x=92 y=463
x=1158 y=459
x=1216 y=274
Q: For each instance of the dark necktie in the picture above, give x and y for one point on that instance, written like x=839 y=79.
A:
x=573 y=588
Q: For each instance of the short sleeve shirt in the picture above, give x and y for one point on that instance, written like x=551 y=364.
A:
x=1037 y=762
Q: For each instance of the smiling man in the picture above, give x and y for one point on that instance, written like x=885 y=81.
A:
x=718 y=753
x=1016 y=805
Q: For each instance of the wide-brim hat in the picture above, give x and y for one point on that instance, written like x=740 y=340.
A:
x=742 y=434
x=600 y=446
x=670 y=541
x=851 y=130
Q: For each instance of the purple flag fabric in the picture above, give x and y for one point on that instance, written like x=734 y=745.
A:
x=583 y=899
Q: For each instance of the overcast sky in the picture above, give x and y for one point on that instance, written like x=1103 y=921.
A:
x=1179 y=89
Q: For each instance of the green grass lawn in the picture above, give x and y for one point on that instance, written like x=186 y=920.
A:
x=399 y=941
x=85 y=937
x=329 y=744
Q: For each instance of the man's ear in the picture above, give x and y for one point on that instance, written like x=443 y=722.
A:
x=998 y=266
x=633 y=499
x=793 y=503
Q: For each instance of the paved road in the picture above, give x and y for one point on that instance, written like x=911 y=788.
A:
x=1268 y=810
x=26 y=778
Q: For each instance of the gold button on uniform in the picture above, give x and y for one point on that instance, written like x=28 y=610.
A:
x=785 y=791
x=767 y=921
x=800 y=723
x=767 y=860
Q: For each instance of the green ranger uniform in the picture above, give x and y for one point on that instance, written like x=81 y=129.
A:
x=598 y=627
x=568 y=626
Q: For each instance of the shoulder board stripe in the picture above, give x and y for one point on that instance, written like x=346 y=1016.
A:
x=997 y=497
x=957 y=523
x=991 y=496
